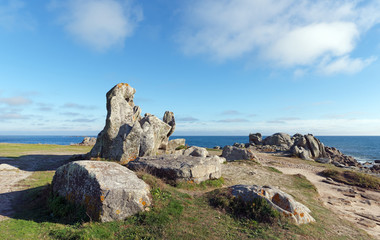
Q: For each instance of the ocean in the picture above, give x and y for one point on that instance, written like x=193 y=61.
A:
x=362 y=148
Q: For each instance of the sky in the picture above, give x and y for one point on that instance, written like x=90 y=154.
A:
x=224 y=67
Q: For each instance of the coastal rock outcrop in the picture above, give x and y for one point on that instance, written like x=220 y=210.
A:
x=88 y=141
x=279 y=200
x=174 y=144
x=231 y=153
x=196 y=152
x=107 y=190
x=308 y=147
x=255 y=138
x=279 y=139
x=339 y=159
x=126 y=134
x=179 y=167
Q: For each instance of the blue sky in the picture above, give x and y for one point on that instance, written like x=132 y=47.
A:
x=224 y=67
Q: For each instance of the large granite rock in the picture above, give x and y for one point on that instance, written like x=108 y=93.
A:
x=179 y=167
x=279 y=200
x=279 y=139
x=231 y=153
x=255 y=138
x=88 y=141
x=126 y=134
x=309 y=147
x=174 y=144
x=196 y=152
x=107 y=190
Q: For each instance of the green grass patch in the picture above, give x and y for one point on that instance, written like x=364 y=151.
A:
x=191 y=185
x=182 y=147
x=17 y=150
x=353 y=178
x=272 y=169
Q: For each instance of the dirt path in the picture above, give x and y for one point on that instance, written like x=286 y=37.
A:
x=13 y=170
x=359 y=206
x=9 y=177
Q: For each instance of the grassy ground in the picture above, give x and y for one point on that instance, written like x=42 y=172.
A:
x=353 y=178
x=183 y=211
x=17 y=150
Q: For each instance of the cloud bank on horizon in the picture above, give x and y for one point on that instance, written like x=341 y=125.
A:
x=260 y=65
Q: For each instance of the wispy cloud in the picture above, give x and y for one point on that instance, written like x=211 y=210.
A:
x=12 y=116
x=78 y=106
x=82 y=120
x=187 y=119
x=233 y=120
x=100 y=24
x=15 y=101
x=288 y=33
x=70 y=114
x=230 y=112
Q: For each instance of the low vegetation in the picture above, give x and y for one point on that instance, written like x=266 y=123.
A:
x=353 y=178
x=183 y=211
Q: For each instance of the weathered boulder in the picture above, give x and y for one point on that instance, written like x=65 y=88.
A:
x=316 y=148
x=239 y=145
x=279 y=200
x=216 y=147
x=88 y=141
x=174 y=144
x=107 y=190
x=196 y=152
x=301 y=152
x=179 y=167
x=126 y=134
x=170 y=120
x=255 y=138
x=279 y=139
x=231 y=153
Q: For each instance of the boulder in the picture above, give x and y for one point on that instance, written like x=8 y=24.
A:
x=279 y=200
x=174 y=144
x=196 y=152
x=170 y=120
x=126 y=134
x=231 y=153
x=239 y=145
x=301 y=152
x=88 y=141
x=216 y=147
x=279 y=139
x=107 y=190
x=255 y=138
x=179 y=167
x=308 y=147
x=316 y=148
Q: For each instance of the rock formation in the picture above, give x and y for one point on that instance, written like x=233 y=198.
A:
x=107 y=190
x=308 y=147
x=126 y=134
x=180 y=167
x=231 y=153
x=279 y=139
x=88 y=141
x=255 y=139
x=279 y=200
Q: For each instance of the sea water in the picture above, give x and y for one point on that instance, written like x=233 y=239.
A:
x=362 y=148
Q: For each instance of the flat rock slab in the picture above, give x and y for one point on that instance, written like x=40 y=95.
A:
x=179 y=167
x=107 y=190
x=281 y=201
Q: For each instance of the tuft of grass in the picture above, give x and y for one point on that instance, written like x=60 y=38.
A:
x=65 y=211
x=272 y=169
x=191 y=185
x=182 y=147
x=353 y=178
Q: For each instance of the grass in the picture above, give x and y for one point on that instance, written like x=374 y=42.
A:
x=353 y=178
x=272 y=169
x=173 y=214
x=12 y=150
x=191 y=185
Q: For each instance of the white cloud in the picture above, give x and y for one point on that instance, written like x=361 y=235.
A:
x=15 y=101
x=346 y=65
x=100 y=24
x=288 y=33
